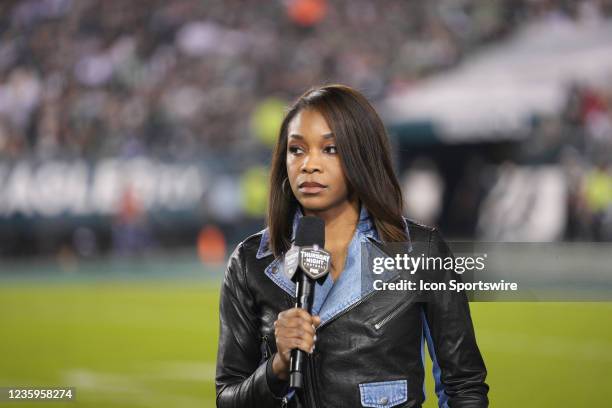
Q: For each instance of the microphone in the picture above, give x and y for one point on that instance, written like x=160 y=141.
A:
x=312 y=264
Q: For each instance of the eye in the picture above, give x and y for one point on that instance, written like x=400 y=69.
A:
x=295 y=150
x=331 y=149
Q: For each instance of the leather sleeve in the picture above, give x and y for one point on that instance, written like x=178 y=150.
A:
x=241 y=379
x=447 y=315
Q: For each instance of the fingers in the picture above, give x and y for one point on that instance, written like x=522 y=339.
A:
x=298 y=332
x=296 y=317
x=296 y=329
x=298 y=324
x=290 y=343
x=295 y=312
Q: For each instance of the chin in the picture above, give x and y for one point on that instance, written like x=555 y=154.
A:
x=314 y=203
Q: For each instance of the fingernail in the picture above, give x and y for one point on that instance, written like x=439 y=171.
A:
x=315 y=337
x=312 y=350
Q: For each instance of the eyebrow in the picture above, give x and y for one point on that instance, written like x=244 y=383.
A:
x=325 y=136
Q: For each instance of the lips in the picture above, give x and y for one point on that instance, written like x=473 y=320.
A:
x=311 y=187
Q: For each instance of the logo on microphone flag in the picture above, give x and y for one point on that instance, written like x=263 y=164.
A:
x=314 y=261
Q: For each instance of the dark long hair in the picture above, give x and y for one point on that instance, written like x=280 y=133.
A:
x=363 y=147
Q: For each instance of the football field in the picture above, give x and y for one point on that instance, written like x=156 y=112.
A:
x=151 y=342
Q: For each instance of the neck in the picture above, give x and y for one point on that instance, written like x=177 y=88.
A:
x=340 y=221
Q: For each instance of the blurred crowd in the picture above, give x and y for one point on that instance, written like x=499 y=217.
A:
x=180 y=79
x=200 y=80
x=580 y=140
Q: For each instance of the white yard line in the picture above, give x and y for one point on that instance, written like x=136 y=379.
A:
x=134 y=388
x=185 y=370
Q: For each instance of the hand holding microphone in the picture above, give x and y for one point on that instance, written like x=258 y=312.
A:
x=294 y=329
x=305 y=262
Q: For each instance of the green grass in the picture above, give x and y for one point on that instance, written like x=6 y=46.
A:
x=120 y=344
x=153 y=343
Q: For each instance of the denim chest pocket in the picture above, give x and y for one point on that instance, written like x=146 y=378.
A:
x=383 y=394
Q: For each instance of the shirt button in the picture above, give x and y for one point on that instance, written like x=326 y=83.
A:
x=384 y=401
x=274 y=269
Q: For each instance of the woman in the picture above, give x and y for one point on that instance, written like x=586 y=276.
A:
x=364 y=346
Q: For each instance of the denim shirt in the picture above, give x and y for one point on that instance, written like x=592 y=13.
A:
x=331 y=298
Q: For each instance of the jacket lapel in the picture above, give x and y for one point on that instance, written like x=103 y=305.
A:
x=276 y=272
x=354 y=283
x=332 y=298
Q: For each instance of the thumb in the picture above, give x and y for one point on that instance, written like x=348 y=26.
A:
x=316 y=320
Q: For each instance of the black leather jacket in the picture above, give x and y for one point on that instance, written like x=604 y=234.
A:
x=370 y=354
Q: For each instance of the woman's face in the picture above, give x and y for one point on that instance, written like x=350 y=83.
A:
x=313 y=165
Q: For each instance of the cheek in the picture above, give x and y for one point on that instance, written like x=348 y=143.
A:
x=289 y=163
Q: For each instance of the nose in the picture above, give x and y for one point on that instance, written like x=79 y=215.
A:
x=311 y=163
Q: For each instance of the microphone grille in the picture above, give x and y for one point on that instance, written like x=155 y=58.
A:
x=310 y=231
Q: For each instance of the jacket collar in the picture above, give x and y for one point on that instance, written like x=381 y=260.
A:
x=332 y=298
x=365 y=226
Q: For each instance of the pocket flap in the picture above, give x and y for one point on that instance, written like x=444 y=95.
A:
x=383 y=394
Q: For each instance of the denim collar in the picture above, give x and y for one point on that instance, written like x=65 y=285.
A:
x=365 y=227
x=332 y=297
